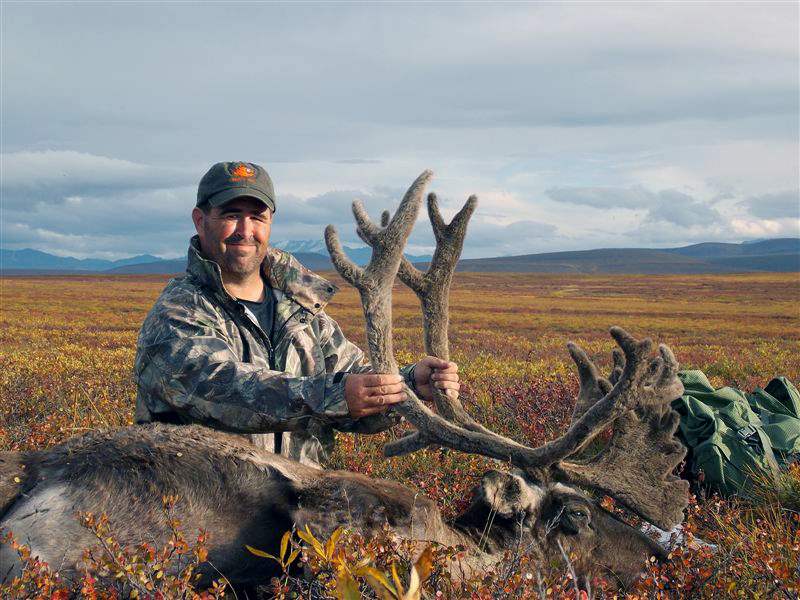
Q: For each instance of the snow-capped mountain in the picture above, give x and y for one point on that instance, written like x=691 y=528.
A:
x=297 y=246
x=360 y=254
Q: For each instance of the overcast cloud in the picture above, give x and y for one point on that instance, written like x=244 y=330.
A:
x=577 y=125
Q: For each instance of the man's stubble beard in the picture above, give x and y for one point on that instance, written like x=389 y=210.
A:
x=242 y=269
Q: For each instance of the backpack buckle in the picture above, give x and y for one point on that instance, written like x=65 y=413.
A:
x=746 y=431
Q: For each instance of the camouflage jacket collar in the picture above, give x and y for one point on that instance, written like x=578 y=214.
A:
x=282 y=270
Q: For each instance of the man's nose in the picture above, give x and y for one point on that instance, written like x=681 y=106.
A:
x=244 y=227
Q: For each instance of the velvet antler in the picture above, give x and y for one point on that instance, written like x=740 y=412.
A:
x=634 y=468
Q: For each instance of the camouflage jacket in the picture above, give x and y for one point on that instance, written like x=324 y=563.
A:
x=201 y=357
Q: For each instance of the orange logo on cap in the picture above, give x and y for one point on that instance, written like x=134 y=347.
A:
x=243 y=171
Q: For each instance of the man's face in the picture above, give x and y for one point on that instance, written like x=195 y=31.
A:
x=235 y=235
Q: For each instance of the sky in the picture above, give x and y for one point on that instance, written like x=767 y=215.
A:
x=577 y=125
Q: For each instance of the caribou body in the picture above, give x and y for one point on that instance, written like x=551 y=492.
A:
x=242 y=495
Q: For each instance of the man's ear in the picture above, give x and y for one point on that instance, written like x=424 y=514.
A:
x=197 y=217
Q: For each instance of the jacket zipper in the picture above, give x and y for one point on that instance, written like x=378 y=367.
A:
x=264 y=339
x=286 y=322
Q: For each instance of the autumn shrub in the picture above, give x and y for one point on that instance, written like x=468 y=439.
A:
x=111 y=570
x=66 y=354
x=386 y=567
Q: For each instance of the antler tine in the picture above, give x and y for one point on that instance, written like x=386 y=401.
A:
x=592 y=386
x=407 y=272
x=434 y=291
x=365 y=225
x=437 y=222
x=374 y=282
x=619 y=364
x=349 y=271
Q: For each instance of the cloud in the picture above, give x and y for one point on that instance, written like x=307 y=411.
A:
x=358 y=161
x=81 y=204
x=577 y=125
x=779 y=205
x=485 y=238
x=671 y=206
x=602 y=197
x=49 y=177
x=754 y=228
x=681 y=209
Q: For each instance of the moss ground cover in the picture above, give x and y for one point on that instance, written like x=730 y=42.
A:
x=67 y=346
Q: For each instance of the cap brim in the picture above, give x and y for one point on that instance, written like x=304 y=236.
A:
x=226 y=196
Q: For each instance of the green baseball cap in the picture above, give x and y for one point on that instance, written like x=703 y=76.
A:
x=228 y=180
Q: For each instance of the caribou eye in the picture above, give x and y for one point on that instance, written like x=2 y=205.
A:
x=575 y=520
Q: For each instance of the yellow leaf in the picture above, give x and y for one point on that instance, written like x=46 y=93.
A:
x=424 y=564
x=309 y=538
x=261 y=553
x=382 y=592
x=330 y=546
x=378 y=582
x=346 y=585
x=285 y=544
x=396 y=578
x=292 y=556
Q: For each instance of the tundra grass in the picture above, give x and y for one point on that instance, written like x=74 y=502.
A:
x=67 y=346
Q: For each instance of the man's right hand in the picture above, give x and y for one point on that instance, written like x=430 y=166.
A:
x=370 y=393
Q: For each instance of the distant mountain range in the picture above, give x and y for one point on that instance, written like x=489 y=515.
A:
x=782 y=254
x=34 y=259
x=312 y=254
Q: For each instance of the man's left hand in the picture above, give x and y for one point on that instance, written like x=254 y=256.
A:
x=440 y=373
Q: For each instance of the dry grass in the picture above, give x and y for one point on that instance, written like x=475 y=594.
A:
x=67 y=346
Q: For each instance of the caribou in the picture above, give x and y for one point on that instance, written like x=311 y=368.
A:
x=242 y=495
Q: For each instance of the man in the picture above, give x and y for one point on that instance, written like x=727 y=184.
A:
x=241 y=342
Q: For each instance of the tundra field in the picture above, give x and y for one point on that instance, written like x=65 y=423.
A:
x=67 y=346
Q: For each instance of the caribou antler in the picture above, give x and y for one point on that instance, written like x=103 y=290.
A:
x=374 y=282
x=637 y=464
x=433 y=290
x=637 y=395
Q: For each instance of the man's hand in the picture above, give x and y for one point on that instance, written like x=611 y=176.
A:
x=368 y=394
x=440 y=373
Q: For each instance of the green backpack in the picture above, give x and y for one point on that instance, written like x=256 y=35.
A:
x=735 y=438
